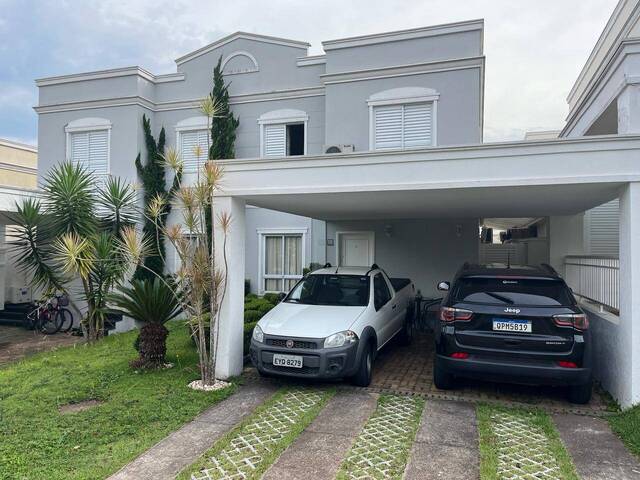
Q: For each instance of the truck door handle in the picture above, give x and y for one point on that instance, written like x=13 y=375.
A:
x=394 y=306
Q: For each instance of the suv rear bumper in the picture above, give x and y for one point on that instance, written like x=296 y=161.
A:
x=503 y=370
x=317 y=363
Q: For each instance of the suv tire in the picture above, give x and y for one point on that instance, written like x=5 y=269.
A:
x=362 y=378
x=442 y=379
x=581 y=394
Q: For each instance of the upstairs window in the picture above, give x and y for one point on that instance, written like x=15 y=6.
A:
x=192 y=142
x=283 y=133
x=88 y=144
x=403 y=118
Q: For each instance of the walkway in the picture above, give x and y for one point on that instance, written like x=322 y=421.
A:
x=17 y=343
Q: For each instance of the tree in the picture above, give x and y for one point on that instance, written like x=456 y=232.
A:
x=83 y=228
x=224 y=123
x=152 y=174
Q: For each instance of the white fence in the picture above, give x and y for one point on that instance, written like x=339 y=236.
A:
x=596 y=278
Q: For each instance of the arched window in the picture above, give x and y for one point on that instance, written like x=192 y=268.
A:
x=192 y=142
x=403 y=118
x=89 y=144
x=283 y=133
x=239 y=62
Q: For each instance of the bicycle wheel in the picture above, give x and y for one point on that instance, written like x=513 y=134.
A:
x=66 y=319
x=31 y=319
x=49 y=324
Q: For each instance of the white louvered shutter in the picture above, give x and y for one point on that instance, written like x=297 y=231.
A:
x=91 y=150
x=189 y=141
x=604 y=229
x=417 y=125
x=387 y=127
x=275 y=140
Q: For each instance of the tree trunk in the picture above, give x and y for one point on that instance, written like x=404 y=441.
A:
x=152 y=346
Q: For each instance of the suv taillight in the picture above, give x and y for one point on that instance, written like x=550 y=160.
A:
x=449 y=314
x=578 y=321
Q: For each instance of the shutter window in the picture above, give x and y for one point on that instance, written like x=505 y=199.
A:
x=91 y=150
x=189 y=141
x=403 y=126
x=604 y=229
x=275 y=140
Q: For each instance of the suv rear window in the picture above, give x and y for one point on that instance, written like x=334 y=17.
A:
x=512 y=291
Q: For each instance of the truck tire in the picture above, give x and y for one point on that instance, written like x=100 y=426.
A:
x=406 y=334
x=581 y=394
x=442 y=379
x=362 y=378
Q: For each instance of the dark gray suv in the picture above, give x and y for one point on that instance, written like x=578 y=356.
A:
x=517 y=324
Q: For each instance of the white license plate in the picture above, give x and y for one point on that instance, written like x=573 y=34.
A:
x=512 y=325
x=292 y=361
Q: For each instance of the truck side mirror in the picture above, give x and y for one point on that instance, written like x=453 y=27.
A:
x=444 y=286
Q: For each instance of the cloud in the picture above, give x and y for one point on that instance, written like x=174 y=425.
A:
x=534 y=53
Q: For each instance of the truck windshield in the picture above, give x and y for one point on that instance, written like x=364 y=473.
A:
x=513 y=291
x=337 y=290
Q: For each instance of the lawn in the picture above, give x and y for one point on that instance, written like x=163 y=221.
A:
x=627 y=426
x=137 y=409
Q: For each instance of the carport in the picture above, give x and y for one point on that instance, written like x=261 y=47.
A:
x=420 y=209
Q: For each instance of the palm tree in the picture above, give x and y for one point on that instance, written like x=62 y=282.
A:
x=152 y=303
x=81 y=229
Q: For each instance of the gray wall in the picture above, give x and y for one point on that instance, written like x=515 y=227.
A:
x=426 y=250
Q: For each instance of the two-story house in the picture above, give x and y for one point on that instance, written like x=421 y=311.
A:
x=372 y=152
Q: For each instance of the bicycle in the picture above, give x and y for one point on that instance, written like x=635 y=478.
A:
x=50 y=316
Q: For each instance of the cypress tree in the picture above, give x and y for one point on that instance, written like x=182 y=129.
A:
x=224 y=124
x=152 y=175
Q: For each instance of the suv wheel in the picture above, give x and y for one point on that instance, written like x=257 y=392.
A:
x=442 y=379
x=581 y=394
x=362 y=378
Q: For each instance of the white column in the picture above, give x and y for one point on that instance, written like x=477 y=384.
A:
x=629 y=110
x=629 y=338
x=229 y=361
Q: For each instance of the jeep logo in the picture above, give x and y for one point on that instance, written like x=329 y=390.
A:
x=512 y=310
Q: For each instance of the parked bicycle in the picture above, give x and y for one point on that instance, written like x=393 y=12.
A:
x=50 y=316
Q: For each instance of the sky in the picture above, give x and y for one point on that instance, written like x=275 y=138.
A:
x=534 y=50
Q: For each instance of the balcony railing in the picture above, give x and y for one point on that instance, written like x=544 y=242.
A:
x=596 y=278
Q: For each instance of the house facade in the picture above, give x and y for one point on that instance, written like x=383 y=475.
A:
x=372 y=152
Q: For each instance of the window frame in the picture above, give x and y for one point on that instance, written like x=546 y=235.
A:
x=283 y=117
x=192 y=124
x=88 y=125
x=402 y=97
x=386 y=285
x=274 y=232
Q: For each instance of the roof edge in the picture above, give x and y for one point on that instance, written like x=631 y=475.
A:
x=21 y=146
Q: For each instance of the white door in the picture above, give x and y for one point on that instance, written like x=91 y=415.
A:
x=356 y=249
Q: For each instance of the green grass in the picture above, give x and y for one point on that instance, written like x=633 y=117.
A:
x=627 y=426
x=536 y=418
x=268 y=457
x=138 y=409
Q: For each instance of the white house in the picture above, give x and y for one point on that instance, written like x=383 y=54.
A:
x=411 y=182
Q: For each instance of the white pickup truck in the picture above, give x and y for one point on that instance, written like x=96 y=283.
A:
x=333 y=323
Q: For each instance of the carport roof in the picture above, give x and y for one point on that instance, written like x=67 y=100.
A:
x=515 y=179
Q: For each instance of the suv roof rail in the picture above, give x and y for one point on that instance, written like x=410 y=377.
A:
x=549 y=268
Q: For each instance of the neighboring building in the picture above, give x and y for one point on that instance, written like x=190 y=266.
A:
x=18 y=179
x=409 y=89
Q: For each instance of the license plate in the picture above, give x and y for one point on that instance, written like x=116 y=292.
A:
x=502 y=325
x=292 y=361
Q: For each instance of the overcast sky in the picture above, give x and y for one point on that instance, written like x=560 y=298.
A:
x=534 y=50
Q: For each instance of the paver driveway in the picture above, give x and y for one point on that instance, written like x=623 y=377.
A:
x=315 y=432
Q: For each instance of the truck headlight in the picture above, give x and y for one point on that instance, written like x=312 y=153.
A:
x=340 y=339
x=258 y=334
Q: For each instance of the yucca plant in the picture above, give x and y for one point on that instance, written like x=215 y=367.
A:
x=154 y=303
x=81 y=229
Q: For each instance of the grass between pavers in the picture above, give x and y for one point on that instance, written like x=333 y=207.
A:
x=381 y=450
x=626 y=425
x=489 y=443
x=137 y=409
x=268 y=457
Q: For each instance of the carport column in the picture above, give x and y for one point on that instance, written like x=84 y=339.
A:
x=229 y=359
x=630 y=291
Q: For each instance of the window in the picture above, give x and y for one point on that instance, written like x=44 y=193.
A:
x=88 y=144
x=381 y=294
x=403 y=118
x=500 y=291
x=192 y=145
x=283 y=133
x=342 y=290
x=282 y=261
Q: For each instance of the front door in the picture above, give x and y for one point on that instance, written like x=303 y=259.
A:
x=356 y=249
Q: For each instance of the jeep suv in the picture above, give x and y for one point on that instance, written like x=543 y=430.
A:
x=518 y=324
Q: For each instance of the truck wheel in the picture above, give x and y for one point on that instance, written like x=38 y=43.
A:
x=406 y=334
x=581 y=394
x=362 y=378
x=442 y=379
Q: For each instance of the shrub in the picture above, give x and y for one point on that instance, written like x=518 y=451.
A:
x=248 y=331
x=252 y=316
x=272 y=298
